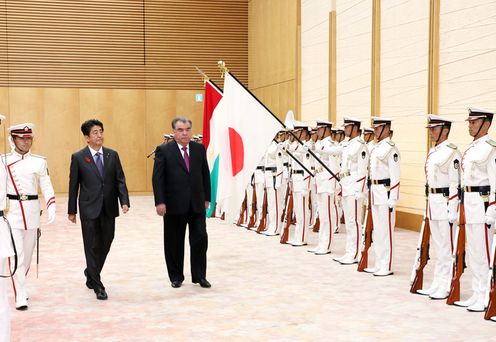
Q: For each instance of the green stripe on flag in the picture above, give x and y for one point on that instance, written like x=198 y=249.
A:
x=214 y=184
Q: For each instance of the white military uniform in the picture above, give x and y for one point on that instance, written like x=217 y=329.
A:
x=6 y=251
x=327 y=189
x=479 y=170
x=353 y=175
x=276 y=175
x=339 y=198
x=385 y=182
x=259 y=179
x=442 y=170
x=301 y=187
x=25 y=174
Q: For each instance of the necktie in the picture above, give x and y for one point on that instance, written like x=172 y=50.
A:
x=99 y=163
x=186 y=157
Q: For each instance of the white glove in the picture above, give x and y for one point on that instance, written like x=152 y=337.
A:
x=452 y=216
x=491 y=215
x=391 y=203
x=359 y=195
x=51 y=213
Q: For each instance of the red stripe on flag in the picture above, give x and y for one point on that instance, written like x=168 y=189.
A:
x=212 y=97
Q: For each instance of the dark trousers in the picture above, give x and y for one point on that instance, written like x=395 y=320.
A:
x=98 y=235
x=174 y=233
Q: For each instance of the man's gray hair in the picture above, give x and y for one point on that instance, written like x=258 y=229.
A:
x=183 y=120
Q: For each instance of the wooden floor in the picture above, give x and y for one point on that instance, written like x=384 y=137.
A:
x=261 y=290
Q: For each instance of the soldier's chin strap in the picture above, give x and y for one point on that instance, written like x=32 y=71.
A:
x=480 y=127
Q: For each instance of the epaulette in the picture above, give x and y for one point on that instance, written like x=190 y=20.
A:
x=453 y=146
x=491 y=142
x=391 y=143
x=37 y=156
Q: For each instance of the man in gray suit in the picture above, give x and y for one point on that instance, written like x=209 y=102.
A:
x=96 y=173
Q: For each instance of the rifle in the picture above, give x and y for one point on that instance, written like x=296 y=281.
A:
x=286 y=198
x=289 y=215
x=242 y=213
x=253 y=216
x=422 y=255
x=263 y=220
x=458 y=259
x=491 y=295
x=367 y=229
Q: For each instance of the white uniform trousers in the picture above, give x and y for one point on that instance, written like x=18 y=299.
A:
x=478 y=247
x=273 y=211
x=259 y=188
x=249 y=203
x=339 y=202
x=384 y=221
x=4 y=305
x=352 y=210
x=279 y=220
x=25 y=241
x=302 y=213
x=328 y=213
x=442 y=241
x=315 y=203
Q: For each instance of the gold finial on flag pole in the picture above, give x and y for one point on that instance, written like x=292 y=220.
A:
x=222 y=67
x=204 y=75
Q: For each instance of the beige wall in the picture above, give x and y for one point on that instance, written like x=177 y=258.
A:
x=272 y=53
x=353 y=63
x=315 y=59
x=404 y=84
x=134 y=121
x=467 y=73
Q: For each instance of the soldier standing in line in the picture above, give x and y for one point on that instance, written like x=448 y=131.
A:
x=442 y=171
x=353 y=176
x=479 y=170
x=385 y=182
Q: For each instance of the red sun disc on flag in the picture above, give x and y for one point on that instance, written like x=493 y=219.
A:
x=237 y=151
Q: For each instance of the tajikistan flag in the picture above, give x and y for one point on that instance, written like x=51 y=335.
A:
x=241 y=130
x=213 y=96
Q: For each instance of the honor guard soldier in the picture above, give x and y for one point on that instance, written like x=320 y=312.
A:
x=369 y=138
x=385 y=183
x=301 y=184
x=479 y=170
x=279 y=181
x=259 y=181
x=442 y=171
x=314 y=138
x=27 y=173
x=327 y=187
x=353 y=175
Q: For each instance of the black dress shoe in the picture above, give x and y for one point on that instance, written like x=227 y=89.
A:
x=100 y=293
x=22 y=308
x=203 y=283
x=176 y=284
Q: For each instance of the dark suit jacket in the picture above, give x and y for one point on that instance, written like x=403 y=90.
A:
x=96 y=193
x=174 y=186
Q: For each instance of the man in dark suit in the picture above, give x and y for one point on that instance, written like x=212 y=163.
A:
x=96 y=172
x=181 y=185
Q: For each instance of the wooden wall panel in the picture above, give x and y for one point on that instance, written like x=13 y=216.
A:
x=120 y=43
x=272 y=53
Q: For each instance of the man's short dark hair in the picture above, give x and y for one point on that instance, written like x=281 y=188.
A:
x=88 y=125
x=183 y=120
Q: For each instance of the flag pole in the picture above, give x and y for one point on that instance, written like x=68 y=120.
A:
x=222 y=66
